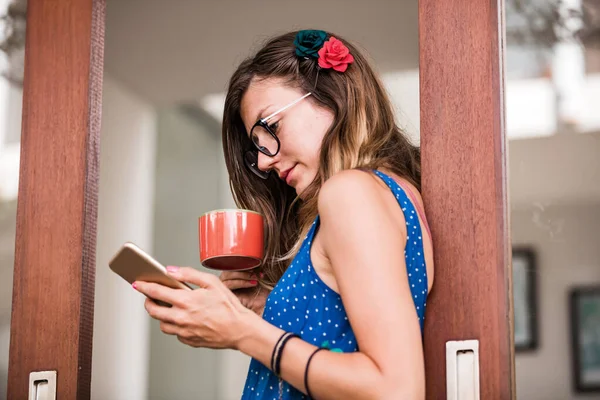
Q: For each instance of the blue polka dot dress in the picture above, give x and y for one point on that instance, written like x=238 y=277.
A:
x=302 y=303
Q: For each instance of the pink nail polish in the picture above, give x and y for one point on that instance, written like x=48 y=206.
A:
x=253 y=282
x=134 y=284
x=172 y=268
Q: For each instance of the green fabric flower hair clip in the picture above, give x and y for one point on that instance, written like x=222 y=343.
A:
x=309 y=42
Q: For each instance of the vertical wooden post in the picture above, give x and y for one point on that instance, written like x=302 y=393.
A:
x=464 y=187
x=53 y=290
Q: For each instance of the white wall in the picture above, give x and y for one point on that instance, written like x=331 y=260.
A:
x=566 y=242
x=125 y=213
x=11 y=99
x=188 y=183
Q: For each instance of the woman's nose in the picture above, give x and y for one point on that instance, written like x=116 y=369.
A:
x=265 y=163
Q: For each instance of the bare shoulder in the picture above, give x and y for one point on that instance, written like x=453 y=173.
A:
x=354 y=199
x=349 y=188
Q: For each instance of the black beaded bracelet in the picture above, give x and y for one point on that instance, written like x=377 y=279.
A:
x=306 y=371
x=277 y=369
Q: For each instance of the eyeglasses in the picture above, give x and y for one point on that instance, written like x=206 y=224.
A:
x=265 y=140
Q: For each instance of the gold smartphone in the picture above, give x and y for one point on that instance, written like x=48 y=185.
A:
x=133 y=264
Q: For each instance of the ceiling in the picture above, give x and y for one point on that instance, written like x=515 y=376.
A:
x=181 y=50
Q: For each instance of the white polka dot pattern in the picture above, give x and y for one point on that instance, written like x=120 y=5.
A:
x=317 y=313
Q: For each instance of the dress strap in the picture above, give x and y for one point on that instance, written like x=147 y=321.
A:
x=414 y=251
x=310 y=235
x=417 y=205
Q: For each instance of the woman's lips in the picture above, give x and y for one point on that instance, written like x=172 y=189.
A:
x=286 y=175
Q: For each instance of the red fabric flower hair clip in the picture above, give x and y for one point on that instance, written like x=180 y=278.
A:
x=334 y=54
x=331 y=52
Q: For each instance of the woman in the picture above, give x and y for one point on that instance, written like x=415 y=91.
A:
x=310 y=142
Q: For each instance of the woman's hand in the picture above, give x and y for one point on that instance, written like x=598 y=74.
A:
x=244 y=285
x=210 y=316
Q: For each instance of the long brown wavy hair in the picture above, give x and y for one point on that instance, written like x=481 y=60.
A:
x=363 y=135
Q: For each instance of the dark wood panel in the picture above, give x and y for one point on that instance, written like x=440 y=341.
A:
x=464 y=187
x=53 y=289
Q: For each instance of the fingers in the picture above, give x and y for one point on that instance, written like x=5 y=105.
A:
x=168 y=328
x=235 y=280
x=160 y=313
x=172 y=320
x=159 y=292
x=236 y=284
x=246 y=275
x=191 y=342
x=191 y=275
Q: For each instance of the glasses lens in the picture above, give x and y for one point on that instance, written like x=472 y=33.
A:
x=251 y=161
x=264 y=141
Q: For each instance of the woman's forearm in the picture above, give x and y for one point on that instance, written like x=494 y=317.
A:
x=331 y=375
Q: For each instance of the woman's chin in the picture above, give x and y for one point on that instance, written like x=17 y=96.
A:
x=301 y=184
x=299 y=190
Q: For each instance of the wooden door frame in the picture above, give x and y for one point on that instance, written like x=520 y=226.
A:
x=53 y=284
x=464 y=188
x=463 y=152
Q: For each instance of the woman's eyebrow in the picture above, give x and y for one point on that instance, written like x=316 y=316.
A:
x=258 y=117
x=262 y=112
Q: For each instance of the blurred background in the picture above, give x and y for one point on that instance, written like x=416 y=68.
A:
x=166 y=70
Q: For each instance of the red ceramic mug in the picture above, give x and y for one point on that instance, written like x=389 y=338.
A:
x=231 y=240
